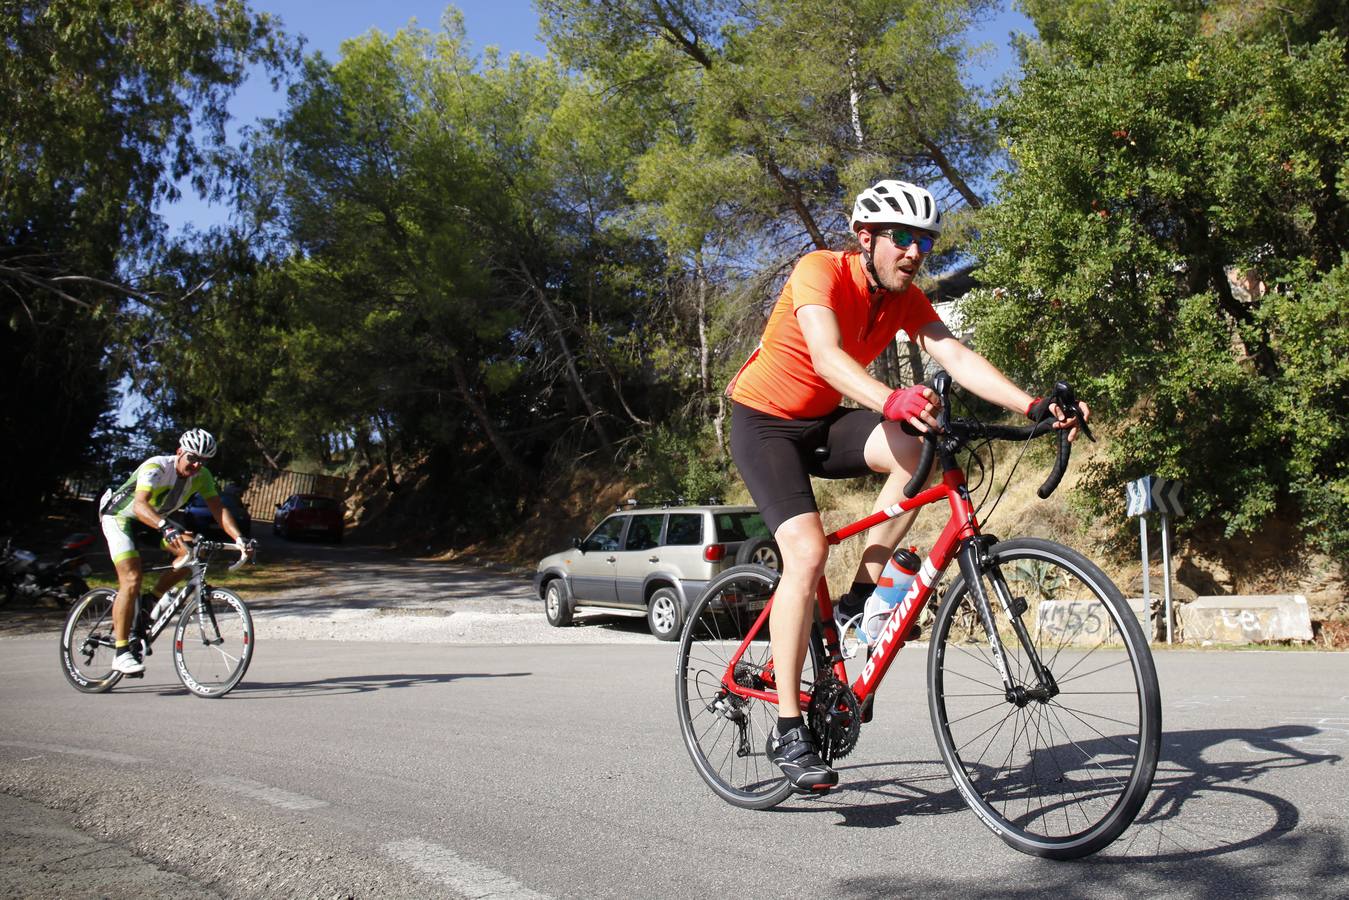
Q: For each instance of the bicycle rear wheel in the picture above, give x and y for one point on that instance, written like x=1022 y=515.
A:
x=87 y=643
x=727 y=735
x=213 y=643
x=1058 y=776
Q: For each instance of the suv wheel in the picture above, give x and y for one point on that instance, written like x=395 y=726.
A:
x=664 y=614
x=556 y=604
x=760 y=551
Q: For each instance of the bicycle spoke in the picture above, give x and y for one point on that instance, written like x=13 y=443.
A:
x=213 y=643
x=728 y=750
x=1056 y=770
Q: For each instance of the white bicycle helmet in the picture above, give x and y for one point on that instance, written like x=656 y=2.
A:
x=889 y=202
x=199 y=442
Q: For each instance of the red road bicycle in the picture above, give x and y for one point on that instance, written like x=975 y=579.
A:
x=1041 y=685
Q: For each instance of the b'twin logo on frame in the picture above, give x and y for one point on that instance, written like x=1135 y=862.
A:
x=926 y=575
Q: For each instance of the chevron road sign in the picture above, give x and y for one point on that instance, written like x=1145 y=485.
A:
x=1153 y=494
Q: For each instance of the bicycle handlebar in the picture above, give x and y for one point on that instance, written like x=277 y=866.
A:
x=963 y=430
x=198 y=547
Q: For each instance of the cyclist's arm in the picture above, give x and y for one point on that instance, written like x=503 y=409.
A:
x=222 y=515
x=846 y=375
x=970 y=369
x=980 y=376
x=142 y=510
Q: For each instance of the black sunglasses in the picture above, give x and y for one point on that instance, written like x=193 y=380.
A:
x=194 y=458
x=902 y=238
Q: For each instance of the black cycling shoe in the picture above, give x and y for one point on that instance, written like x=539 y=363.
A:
x=795 y=754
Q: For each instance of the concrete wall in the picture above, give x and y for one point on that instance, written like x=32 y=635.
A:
x=1246 y=620
x=1085 y=622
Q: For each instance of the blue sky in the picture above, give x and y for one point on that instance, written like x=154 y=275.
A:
x=511 y=25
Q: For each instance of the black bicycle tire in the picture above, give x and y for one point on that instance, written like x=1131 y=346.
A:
x=1122 y=813
x=245 y=657
x=780 y=788
x=68 y=668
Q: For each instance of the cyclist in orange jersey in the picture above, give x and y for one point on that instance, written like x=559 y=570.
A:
x=835 y=315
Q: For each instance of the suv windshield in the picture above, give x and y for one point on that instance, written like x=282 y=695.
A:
x=740 y=526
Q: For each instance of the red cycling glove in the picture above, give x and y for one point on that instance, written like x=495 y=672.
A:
x=905 y=403
x=1039 y=409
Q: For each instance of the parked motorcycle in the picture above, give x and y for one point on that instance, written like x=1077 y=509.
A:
x=25 y=577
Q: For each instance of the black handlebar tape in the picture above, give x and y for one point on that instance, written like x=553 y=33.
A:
x=924 y=467
x=1060 y=466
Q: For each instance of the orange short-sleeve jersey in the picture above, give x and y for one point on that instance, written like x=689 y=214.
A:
x=780 y=378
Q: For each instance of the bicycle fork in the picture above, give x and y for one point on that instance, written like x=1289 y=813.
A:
x=975 y=565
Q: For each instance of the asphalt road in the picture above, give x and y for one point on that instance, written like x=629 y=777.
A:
x=526 y=769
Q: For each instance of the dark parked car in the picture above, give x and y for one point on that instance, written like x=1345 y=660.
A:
x=309 y=514
x=196 y=516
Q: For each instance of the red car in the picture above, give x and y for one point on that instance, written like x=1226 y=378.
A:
x=308 y=514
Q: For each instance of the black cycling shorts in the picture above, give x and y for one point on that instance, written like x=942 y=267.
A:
x=776 y=457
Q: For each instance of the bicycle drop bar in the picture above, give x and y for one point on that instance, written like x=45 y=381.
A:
x=203 y=547
x=958 y=432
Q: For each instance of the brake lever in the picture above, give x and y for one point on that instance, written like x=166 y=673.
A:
x=1067 y=401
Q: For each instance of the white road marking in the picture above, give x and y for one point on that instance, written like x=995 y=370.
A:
x=265 y=792
x=106 y=755
x=471 y=879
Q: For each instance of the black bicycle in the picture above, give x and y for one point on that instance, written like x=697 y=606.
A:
x=212 y=644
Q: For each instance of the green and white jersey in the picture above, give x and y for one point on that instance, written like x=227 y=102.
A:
x=168 y=492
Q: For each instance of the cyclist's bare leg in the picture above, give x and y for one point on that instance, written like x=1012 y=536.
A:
x=172 y=576
x=895 y=453
x=804 y=552
x=128 y=590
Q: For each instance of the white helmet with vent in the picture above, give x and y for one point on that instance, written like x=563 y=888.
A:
x=199 y=442
x=889 y=202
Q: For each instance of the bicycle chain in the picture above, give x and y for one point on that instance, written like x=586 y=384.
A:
x=835 y=716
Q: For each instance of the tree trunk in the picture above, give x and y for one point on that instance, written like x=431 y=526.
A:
x=386 y=445
x=915 y=361
x=855 y=97
x=593 y=412
x=257 y=442
x=793 y=192
x=704 y=352
x=934 y=150
x=470 y=398
x=361 y=437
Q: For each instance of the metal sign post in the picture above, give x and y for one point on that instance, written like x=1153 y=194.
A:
x=1153 y=494
x=1166 y=576
x=1143 y=546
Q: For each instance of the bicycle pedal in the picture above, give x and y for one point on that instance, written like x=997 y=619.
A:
x=819 y=791
x=134 y=675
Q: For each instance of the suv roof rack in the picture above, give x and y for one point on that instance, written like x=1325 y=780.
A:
x=633 y=503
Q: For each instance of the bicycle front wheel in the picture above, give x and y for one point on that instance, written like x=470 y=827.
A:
x=727 y=735
x=1057 y=772
x=87 y=643
x=213 y=643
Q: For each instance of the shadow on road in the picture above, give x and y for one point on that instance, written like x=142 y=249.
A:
x=341 y=684
x=354 y=684
x=1216 y=792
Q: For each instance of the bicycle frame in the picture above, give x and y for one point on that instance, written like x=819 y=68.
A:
x=958 y=539
x=195 y=586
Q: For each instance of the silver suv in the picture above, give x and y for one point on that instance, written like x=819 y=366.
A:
x=657 y=560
